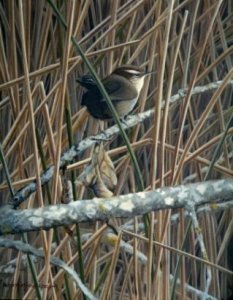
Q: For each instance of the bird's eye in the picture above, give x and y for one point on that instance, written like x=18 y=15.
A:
x=137 y=75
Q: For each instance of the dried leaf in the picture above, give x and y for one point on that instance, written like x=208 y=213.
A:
x=106 y=168
x=67 y=194
x=100 y=175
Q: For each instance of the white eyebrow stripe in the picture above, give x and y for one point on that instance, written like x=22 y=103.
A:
x=132 y=71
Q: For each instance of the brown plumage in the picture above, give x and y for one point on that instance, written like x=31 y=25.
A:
x=123 y=86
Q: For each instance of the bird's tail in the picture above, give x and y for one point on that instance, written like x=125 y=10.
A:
x=87 y=81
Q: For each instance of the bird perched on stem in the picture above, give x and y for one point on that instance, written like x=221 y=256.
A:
x=123 y=85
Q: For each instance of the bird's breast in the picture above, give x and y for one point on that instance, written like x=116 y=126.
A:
x=123 y=108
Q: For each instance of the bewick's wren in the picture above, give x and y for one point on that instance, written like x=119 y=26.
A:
x=123 y=85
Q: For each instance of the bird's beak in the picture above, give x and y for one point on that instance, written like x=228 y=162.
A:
x=148 y=73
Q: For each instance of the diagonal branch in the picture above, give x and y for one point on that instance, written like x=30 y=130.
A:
x=26 y=248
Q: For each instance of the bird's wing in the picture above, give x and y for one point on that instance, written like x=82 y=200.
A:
x=119 y=88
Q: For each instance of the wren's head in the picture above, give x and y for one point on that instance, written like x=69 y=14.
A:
x=134 y=74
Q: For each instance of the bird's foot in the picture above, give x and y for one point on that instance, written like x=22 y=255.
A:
x=124 y=121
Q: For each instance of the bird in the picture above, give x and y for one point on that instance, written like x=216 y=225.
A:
x=123 y=85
